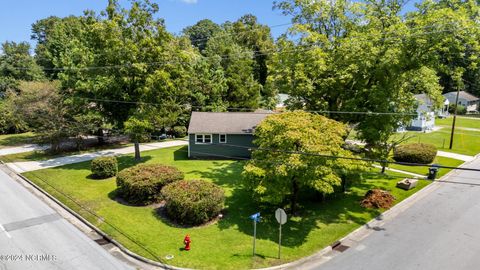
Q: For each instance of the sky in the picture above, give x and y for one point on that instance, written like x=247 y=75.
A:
x=17 y=16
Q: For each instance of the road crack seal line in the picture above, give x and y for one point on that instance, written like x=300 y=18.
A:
x=17 y=225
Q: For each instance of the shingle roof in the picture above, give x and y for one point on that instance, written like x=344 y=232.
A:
x=465 y=95
x=225 y=122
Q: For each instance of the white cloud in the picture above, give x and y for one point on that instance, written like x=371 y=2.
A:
x=190 y=1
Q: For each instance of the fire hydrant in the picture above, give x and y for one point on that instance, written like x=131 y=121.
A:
x=187 y=242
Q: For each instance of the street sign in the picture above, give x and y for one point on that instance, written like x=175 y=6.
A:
x=256 y=218
x=281 y=216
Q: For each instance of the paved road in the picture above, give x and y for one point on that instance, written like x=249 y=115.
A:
x=440 y=231
x=34 y=236
x=21 y=167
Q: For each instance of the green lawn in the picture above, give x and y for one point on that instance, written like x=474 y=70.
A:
x=223 y=245
x=424 y=170
x=460 y=122
x=10 y=140
x=464 y=141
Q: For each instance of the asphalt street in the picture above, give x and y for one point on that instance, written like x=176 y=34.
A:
x=34 y=236
x=440 y=231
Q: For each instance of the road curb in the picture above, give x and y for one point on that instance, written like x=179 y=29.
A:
x=93 y=227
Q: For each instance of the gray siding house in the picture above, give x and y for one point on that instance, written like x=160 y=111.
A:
x=469 y=101
x=222 y=135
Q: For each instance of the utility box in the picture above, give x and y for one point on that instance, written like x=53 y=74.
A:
x=407 y=184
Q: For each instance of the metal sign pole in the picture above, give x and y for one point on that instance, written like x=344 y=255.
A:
x=254 y=234
x=280 y=239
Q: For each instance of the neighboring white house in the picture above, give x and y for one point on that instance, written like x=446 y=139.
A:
x=281 y=98
x=469 y=101
x=425 y=119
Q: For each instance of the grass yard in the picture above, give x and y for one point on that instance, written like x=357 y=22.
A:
x=464 y=141
x=226 y=244
x=463 y=122
x=11 y=140
x=424 y=170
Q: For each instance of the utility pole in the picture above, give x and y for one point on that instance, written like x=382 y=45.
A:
x=454 y=118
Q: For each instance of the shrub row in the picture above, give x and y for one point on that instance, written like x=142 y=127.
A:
x=141 y=184
x=104 y=167
x=415 y=153
x=193 y=202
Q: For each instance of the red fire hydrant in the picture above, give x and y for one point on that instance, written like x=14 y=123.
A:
x=187 y=242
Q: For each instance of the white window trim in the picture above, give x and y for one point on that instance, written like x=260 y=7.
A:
x=203 y=138
x=220 y=136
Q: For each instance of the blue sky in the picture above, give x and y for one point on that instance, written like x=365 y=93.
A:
x=17 y=16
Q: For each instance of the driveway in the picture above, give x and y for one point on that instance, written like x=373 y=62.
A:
x=34 y=236
x=26 y=166
x=439 y=231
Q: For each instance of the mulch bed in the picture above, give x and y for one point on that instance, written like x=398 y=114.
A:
x=377 y=198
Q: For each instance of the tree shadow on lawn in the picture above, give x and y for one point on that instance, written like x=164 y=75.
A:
x=314 y=214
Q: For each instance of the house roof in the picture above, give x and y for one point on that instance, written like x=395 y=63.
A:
x=225 y=122
x=423 y=97
x=464 y=95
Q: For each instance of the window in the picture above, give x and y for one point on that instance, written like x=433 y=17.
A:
x=222 y=138
x=203 y=138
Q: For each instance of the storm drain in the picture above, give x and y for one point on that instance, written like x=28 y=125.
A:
x=337 y=246
x=102 y=241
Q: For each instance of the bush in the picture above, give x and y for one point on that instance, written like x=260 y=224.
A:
x=179 y=131
x=141 y=184
x=193 y=202
x=104 y=167
x=415 y=153
x=461 y=110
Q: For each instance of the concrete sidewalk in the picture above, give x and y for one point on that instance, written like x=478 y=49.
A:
x=455 y=156
x=21 y=167
x=22 y=149
x=400 y=171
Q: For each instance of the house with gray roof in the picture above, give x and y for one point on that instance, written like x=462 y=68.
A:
x=223 y=135
x=469 y=101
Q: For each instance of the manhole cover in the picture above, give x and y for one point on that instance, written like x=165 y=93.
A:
x=340 y=248
x=102 y=241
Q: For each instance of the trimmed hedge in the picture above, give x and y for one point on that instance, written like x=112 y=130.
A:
x=193 y=202
x=104 y=167
x=423 y=153
x=141 y=184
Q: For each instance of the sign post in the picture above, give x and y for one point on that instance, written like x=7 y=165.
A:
x=256 y=218
x=281 y=217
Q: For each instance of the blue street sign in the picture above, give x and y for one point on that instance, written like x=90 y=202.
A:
x=255 y=217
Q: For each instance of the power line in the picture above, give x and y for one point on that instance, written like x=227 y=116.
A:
x=229 y=56
x=249 y=110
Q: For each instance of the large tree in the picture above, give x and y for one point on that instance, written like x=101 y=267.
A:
x=353 y=57
x=16 y=64
x=201 y=32
x=277 y=170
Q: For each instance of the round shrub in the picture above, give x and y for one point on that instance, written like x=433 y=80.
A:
x=415 y=153
x=141 y=184
x=179 y=131
x=104 y=167
x=193 y=202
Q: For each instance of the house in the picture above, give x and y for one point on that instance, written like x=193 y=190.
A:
x=222 y=135
x=425 y=119
x=281 y=98
x=469 y=101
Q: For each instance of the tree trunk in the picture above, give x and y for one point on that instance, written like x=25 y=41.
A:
x=137 y=151
x=294 y=197
x=383 y=167
x=99 y=134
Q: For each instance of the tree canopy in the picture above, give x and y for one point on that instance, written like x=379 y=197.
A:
x=277 y=170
